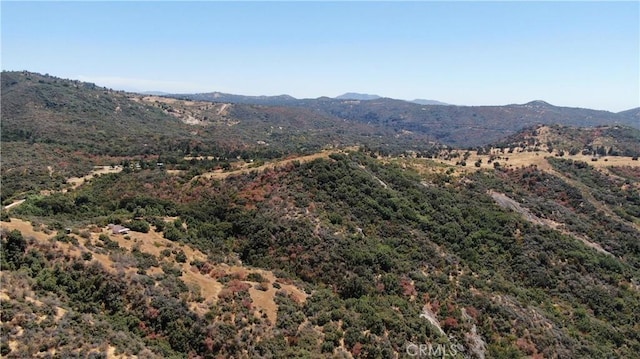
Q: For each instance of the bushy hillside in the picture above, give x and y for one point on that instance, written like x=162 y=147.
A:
x=499 y=263
x=633 y=113
x=281 y=130
x=323 y=228
x=55 y=128
x=82 y=117
x=458 y=126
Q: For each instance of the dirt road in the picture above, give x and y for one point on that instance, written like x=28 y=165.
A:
x=220 y=174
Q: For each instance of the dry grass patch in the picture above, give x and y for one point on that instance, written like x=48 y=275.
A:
x=153 y=243
x=265 y=301
x=519 y=159
x=75 y=182
x=247 y=168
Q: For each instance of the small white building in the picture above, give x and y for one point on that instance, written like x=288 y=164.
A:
x=118 y=229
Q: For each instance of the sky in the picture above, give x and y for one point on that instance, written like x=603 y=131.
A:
x=577 y=54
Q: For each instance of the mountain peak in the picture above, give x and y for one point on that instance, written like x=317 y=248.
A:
x=538 y=103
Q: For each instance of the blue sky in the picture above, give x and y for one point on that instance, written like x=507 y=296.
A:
x=579 y=54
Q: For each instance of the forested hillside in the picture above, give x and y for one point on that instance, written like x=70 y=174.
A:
x=386 y=257
x=458 y=126
x=216 y=230
x=54 y=128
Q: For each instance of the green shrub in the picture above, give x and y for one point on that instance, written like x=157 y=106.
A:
x=180 y=256
x=256 y=277
x=139 y=226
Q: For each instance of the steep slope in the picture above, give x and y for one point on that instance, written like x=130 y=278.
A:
x=82 y=117
x=54 y=128
x=390 y=258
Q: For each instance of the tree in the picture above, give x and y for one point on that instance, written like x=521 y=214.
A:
x=355 y=287
x=173 y=234
x=181 y=257
x=139 y=226
x=13 y=249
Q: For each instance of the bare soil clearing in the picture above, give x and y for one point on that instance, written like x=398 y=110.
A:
x=197 y=113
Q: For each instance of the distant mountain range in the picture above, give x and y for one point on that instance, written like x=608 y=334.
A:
x=155 y=93
x=429 y=102
x=231 y=98
x=357 y=96
x=459 y=126
x=453 y=125
x=277 y=100
x=367 y=97
x=544 y=111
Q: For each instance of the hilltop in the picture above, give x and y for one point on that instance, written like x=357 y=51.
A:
x=633 y=113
